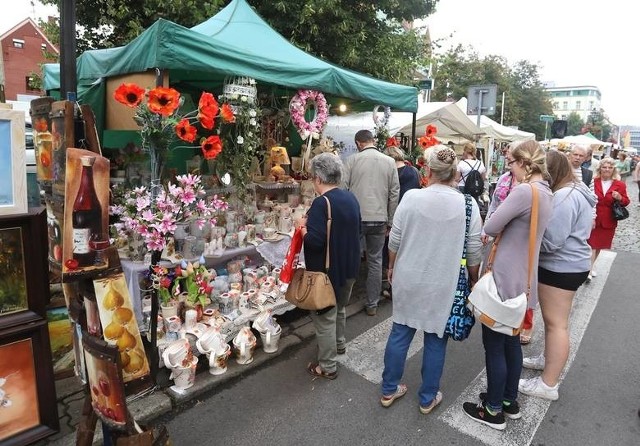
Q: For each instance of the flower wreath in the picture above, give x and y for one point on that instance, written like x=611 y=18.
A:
x=381 y=123
x=298 y=107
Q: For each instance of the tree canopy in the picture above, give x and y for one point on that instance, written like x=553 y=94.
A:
x=525 y=97
x=371 y=37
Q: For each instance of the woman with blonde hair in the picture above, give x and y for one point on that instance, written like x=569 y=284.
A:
x=429 y=224
x=565 y=259
x=512 y=219
x=608 y=189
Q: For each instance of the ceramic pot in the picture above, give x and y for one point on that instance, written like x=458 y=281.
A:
x=184 y=377
x=137 y=248
x=218 y=361
x=270 y=340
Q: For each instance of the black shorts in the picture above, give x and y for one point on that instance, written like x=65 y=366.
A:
x=564 y=281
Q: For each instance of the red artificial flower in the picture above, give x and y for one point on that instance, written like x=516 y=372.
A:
x=424 y=142
x=129 y=94
x=207 y=110
x=186 y=131
x=211 y=147
x=207 y=121
x=163 y=101
x=227 y=113
x=208 y=104
x=431 y=130
x=392 y=142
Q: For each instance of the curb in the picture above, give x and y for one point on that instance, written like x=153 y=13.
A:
x=159 y=403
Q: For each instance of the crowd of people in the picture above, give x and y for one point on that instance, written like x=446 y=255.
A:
x=382 y=215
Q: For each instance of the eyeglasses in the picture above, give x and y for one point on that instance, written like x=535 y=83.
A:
x=510 y=162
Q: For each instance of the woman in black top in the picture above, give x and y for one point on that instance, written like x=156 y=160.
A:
x=344 y=256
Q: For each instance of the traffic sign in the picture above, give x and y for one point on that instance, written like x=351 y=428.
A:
x=547 y=118
x=425 y=84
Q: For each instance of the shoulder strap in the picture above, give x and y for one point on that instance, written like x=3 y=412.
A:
x=467 y=202
x=533 y=230
x=326 y=262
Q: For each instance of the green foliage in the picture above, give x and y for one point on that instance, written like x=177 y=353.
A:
x=525 y=97
x=598 y=125
x=364 y=36
x=575 y=124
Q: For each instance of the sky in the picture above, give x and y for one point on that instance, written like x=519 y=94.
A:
x=574 y=42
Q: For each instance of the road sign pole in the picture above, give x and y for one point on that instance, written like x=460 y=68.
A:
x=479 y=107
x=546 y=124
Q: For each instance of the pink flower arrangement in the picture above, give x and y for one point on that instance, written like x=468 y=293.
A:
x=297 y=108
x=156 y=218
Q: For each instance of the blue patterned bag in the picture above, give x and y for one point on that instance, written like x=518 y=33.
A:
x=461 y=319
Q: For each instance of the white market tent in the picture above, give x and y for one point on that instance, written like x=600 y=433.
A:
x=448 y=117
x=584 y=140
x=501 y=132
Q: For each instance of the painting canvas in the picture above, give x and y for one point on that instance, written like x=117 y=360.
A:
x=13 y=283
x=119 y=325
x=13 y=170
x=86 y=213
x=105 y=382
x=61 y=340
x=18 y=395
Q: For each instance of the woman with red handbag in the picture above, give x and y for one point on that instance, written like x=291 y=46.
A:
x=344 y=256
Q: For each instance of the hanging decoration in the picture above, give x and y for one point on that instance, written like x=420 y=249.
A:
x=382 y=126
x=298 y=107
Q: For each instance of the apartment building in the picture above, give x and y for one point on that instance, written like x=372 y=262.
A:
x=22 y=53
x=581 y=99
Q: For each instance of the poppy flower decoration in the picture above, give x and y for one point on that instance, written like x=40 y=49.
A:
x=429 y=138
x=211 y=147
x=157 y=114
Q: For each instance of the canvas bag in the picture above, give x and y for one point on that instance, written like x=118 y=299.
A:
x=473 y=182
x=311 y=290
x=504 y=316
x=461 y=319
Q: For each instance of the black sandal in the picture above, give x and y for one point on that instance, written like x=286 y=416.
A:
x=313 y=367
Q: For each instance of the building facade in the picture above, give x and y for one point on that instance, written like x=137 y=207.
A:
x=581 y=99
x=23 y=50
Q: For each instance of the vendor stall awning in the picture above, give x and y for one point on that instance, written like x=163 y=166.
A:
x=235 y=42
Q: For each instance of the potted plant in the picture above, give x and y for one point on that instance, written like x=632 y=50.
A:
x=162 y=280
x=194 y=278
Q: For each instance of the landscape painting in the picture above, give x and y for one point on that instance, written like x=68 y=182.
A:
x=13 y=283
x=61 y=340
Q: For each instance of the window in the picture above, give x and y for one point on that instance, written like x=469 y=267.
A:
x=591 y=107
x=43 y=46
x=18 y=43
x=555 y=105
x=578 y=105
x=565 y=105
x=29 y=83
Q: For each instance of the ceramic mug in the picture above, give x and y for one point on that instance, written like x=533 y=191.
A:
x=175 y=353
x=184 y=377
x=270 y=340
x=269 y=233
x=218 y=361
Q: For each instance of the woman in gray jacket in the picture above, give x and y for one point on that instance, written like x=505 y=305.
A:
x=565 y=259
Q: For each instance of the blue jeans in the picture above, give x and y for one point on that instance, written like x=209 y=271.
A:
x=373 y=234
x=395 y=357
x=503 y=357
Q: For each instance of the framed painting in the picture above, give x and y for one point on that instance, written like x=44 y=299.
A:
x=28 y=406
x=104 y=377
x=61 y=340
x=23 y=241
x=13 y=168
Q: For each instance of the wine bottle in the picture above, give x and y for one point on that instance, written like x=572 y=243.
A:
x=86 y=216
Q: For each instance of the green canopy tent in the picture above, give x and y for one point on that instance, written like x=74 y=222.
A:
x=236 y=41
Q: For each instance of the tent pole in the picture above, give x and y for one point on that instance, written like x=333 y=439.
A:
x=413 y=132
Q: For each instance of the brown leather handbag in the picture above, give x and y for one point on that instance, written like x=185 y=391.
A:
x=312 y=290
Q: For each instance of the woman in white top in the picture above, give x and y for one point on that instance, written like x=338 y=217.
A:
x=425 y=247
x=468 y=163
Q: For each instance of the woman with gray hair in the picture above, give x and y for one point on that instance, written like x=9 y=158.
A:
x=425 y=248
x=344 y=256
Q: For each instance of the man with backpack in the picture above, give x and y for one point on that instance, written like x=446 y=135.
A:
x=472 y=172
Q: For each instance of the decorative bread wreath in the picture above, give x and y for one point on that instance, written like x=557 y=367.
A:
x=385 y=117
x=299 y=105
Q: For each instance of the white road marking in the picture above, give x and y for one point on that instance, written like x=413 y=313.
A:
x=521 y=432
x=365 y=353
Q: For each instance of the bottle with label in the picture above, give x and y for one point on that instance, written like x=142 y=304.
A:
x=86 y=216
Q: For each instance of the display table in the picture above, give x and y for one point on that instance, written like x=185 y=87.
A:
x=271 y=252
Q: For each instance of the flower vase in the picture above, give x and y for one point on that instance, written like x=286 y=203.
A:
x=169 y=310
x=137 y=248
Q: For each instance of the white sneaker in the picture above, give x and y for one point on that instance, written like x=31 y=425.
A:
x=537 y=387
x=534 y=362
x=594 y=273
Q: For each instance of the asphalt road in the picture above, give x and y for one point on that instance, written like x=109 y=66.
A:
x=599 y=395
